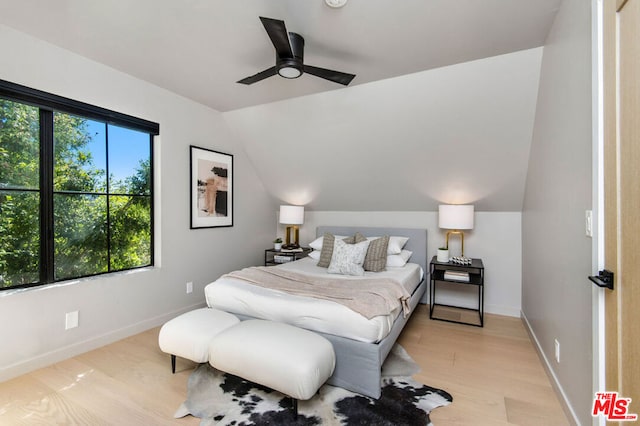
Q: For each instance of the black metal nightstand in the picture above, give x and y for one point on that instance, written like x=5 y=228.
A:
x=475 y=272
x=277 y=257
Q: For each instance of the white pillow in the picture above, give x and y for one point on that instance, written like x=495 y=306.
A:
x=315 y=254
x=399 y=259
x=317 y=243
x=347 y=259
x=396 y=244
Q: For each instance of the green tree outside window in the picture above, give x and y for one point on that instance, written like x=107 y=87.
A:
x=101 y=191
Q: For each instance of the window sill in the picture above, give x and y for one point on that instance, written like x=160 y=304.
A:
x=6 y=293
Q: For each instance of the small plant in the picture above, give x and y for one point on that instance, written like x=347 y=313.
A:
x=277 y=241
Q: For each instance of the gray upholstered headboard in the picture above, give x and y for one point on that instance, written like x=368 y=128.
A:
x=417 y=239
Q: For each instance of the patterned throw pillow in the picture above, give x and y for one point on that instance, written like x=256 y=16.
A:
x=358 y=238
x=350 y=240
x=347 y=259
x=328 y=241
x=327 y=250
x=376 y=258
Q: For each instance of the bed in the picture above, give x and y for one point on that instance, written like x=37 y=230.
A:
x=361 y=344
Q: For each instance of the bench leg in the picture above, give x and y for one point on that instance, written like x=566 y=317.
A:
x=294 y=406
x=173 y=364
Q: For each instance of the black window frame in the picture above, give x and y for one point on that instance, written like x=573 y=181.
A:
x=49 y=104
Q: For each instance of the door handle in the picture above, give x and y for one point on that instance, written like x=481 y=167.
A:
x=603 y=279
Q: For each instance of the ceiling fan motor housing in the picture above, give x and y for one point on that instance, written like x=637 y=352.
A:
x=292 y=67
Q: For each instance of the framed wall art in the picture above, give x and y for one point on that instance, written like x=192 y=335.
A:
x=211 y=188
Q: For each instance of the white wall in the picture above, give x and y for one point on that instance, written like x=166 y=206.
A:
x=114 y=306
x=458 y=134
x=496 y=239
x=557 y=256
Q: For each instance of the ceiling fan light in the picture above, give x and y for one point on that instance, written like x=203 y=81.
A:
x=335 y=3
x=289 y=72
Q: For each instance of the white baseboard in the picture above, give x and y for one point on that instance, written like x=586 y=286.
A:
x=81 y=347
x=564 y=401
x=502 y=310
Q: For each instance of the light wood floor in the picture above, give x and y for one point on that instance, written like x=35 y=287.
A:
x=493 y=373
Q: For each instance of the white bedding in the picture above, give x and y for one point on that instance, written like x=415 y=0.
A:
x=239 y=297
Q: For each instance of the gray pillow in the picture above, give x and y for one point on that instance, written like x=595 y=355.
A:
x=327 y=250
x=376 y=258
x=328 y=241
x=358 y=238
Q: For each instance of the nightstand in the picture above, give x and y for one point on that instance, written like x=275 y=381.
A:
x=276 y=257
x=449 y=272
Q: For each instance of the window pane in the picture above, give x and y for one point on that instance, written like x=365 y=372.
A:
x=19 y=238
x=129 y=160
x=80 y=154
x=101 y=189
x=130 y=219
x=19 y=145
x=80 y=232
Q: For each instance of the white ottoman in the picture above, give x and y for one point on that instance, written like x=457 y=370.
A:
x=189 y=335
x=288 y=359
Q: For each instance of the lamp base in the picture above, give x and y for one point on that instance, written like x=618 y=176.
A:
x=455 y=231
x=296 y=237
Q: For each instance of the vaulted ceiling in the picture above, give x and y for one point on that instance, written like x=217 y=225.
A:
x=441 y=109
x=200 y=48
x=458 y=134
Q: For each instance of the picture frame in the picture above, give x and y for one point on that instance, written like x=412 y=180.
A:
x=211 y=180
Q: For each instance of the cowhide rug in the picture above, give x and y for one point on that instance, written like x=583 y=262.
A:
x=223 y=399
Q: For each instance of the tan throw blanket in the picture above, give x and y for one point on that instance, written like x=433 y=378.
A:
x=369 y=297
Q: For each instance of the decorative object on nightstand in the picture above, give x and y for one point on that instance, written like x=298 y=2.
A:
x=465 y=276
x=277 y=244
x=461 y=260
x=277 y=257
x=443 y=255
x=292 y=216
x=455 y=218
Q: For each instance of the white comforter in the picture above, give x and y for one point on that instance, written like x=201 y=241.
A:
x=239 y=297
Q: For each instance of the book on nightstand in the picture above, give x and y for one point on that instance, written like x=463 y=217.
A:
x=282 y=259
x=295 y=250
x=456 y=276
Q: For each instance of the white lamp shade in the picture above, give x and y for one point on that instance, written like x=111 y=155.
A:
x=452 y=216
x=292 y=215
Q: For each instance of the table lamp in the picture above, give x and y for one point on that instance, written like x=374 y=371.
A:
x=292 y=216
x=455 y=218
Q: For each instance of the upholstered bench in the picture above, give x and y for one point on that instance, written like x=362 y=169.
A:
x=282 y=357
x=189 y=335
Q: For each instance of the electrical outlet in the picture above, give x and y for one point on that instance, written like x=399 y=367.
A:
x=588 y=223
x=71 y=320
x=189 y=287
x=557 y=346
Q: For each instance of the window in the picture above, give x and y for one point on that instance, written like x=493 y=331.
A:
x=76 y=189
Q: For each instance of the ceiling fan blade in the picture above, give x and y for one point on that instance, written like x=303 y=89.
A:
x=335 y=76
x=277 y=32
x=260 y=76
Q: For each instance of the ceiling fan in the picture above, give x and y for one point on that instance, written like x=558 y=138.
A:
x=289 y=57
